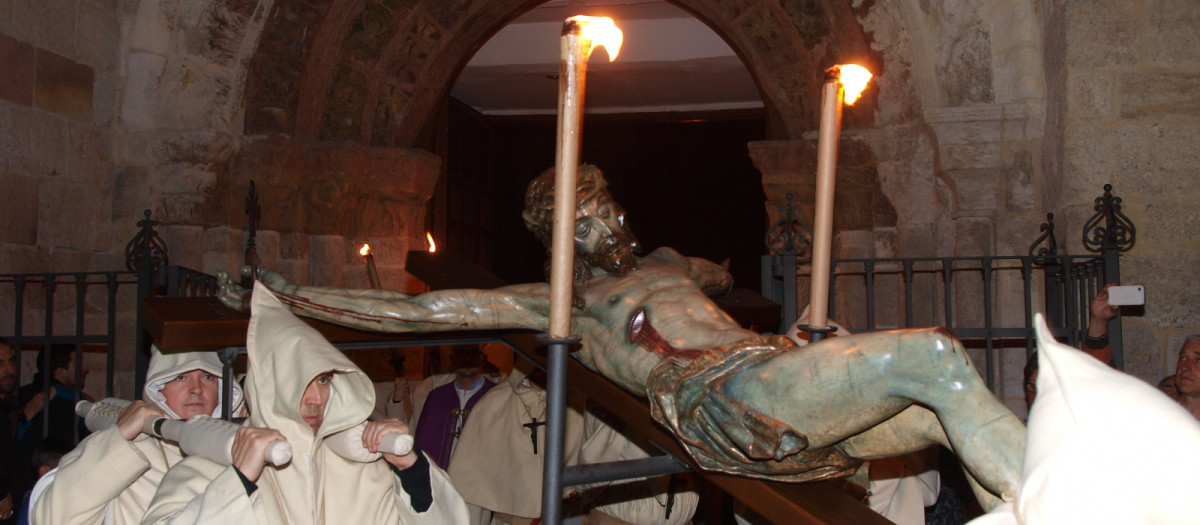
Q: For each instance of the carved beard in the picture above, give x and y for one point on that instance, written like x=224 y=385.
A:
x=615 y=255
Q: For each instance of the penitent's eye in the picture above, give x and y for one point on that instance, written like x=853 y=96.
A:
x=582 y=227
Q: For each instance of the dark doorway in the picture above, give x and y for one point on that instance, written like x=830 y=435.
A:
x=686 y=181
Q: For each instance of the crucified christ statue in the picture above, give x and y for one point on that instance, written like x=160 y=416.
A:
x=741 y=402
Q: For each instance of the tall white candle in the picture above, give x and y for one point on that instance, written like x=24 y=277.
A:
x=580 y=36
x=842 y=83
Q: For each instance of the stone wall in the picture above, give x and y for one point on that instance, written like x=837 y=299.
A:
x=58 y=76
x=985 y=116
x=1132 y=119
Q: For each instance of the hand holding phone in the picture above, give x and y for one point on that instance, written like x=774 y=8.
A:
x=1126 y=295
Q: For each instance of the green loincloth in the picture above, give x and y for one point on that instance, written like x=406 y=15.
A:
x=726 y=435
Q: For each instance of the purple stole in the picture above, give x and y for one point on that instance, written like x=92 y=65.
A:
x=437 y=427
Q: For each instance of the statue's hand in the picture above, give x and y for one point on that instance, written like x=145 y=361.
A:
x=235 y=296
x=231 y=293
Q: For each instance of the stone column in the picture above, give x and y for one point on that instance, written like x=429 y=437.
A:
x=787 y=166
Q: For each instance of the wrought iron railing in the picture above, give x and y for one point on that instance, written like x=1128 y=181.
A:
x=972 y=296
x=94 y=303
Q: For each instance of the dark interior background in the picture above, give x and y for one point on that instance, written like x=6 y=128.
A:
x=686 y=181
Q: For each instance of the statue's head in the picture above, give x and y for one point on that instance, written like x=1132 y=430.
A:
x=602 y=238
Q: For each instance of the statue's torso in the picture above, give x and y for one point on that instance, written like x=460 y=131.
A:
x=674 y=306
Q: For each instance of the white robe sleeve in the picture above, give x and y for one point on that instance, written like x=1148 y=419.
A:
x=88 y=478
x=448 y=506
x=197 y=490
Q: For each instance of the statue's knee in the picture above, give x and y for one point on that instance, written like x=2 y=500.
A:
x=949 y=359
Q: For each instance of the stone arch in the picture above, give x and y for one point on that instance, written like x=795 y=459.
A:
x=380 y=83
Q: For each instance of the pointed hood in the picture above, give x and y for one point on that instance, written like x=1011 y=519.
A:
x=165 y=367
x=285 y=355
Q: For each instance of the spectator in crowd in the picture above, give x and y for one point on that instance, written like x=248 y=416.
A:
x=61 y=398
x=45 y=459
x=8 y=431
x=1187 y=375
x=1167 y=385
x=1095 y=342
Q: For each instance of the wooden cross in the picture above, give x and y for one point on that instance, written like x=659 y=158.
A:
x=532 y=426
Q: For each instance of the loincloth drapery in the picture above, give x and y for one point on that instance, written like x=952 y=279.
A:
x=724 y=434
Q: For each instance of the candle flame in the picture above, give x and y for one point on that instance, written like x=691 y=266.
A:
x=602 y=32
x=365 y=250
x=432 y=245
x=854 y=80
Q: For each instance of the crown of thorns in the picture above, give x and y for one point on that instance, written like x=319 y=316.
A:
x=539 y=198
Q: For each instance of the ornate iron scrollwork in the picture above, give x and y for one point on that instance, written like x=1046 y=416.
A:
x=146 y=247
x=1051 y=247
x=789 y=235
x=1108 y=228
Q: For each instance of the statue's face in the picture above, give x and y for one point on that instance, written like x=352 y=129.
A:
x=601 y=237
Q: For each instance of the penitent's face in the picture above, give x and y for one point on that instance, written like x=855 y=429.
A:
x=192 y=393
x=312 y=404
x=601 y=237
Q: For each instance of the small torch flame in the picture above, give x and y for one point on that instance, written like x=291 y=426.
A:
x=854 y=80
x=365 y=250
x=602 y=32
x=432 y=245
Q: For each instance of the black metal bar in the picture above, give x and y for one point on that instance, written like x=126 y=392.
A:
x=1116 y=332
x=110 y=353
x=80 y=291
x=989 y=358
x=47 y=367
x=789 y=287
x=908 y=293
x=947 y=290
x=18 y=317
x=869 y=269
x=227 y=356
x=1071 y=295
x=556 y=414
x=1027 y=282
x=620 y=470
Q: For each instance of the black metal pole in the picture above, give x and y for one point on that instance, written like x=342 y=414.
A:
x=227 y=356
x=621 y=470
x=556 y=414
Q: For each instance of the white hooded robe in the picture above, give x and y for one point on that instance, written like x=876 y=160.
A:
x=317 y=486
x=109 y=476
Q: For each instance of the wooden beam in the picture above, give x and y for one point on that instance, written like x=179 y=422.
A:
x=178 y=323
x=818 y=502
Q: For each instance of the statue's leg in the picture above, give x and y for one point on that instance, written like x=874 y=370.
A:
x=847 y=386
x=987 y=437
x=911 y=430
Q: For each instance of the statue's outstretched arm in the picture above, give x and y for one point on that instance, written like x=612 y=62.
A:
x=714 y=279
x=519 y=306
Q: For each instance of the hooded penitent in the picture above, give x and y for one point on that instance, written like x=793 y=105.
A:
x=107 y=479
x=317 y=486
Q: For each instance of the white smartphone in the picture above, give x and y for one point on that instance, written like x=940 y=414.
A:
x=1126 y=295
